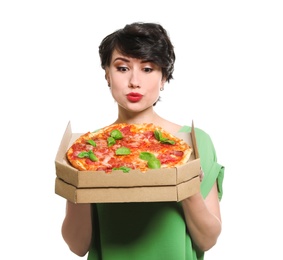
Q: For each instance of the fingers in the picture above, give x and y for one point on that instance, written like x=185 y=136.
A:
x=201 y=174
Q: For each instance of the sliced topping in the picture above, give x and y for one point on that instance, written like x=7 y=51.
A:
x=126 y=130
x=101 y=143
x=106 y=160
x=78 y=146
x=178 y=153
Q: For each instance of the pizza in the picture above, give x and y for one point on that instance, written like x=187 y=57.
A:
x=128 y=147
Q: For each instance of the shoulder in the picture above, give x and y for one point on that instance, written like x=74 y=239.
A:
x=213 y=171
x=204 y=142
x=203 y=136
x=200 y=134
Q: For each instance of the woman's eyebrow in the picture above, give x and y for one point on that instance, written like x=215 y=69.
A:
x=147 y=61
x=122 y=59
x=127 y=60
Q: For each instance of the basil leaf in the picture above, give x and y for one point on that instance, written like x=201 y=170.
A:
x=83 y=154
x=110 y=141
x=89 y=155
x=152 y=161
x=167 y=141
x=91 y=142
x=116 y=134
x=146 y=156
x=123 y=168
x=154 y=164
x=92 y=156
x=158 y=137
x=123 y=151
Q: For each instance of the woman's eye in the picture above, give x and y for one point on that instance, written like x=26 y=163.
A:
x=121 y=68
x=148 y=69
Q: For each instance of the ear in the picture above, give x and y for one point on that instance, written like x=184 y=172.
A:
x=107 y=76
x=163 y=81
x=106 y=73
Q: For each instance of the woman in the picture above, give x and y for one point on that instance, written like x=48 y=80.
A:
x=138 y=60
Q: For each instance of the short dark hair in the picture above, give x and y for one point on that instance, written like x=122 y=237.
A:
x=145 y=41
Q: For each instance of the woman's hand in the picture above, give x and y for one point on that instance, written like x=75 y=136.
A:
x=201 y=174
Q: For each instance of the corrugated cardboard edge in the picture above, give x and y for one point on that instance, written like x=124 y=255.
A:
x=131 y=194
x=84 y=179
x=64 y=143
x=188 y=188
x=194 y=140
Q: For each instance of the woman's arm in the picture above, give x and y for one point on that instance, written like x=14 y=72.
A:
x=203 y=218
x=77 y=227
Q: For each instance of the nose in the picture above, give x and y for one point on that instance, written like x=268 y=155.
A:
x=134 y=81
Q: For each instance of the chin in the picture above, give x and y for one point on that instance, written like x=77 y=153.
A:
x=136 y=108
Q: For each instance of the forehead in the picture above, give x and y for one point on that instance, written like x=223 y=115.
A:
x=116 y=55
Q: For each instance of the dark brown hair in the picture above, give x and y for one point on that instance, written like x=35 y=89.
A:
x=145 y=41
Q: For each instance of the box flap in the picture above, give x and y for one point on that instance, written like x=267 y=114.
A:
x=64 y=143
x=194 y=141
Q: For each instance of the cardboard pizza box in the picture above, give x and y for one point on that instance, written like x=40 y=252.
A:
x=172 y=184
x=127 y=194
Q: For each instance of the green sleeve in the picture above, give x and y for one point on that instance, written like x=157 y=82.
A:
x=213 y=171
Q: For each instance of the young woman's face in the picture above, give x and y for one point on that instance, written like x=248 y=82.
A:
x=135 y=84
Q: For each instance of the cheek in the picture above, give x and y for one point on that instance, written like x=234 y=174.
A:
x=118 y=82
x=116 y=92
x=155 y=86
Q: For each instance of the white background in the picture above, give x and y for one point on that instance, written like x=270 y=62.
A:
x=228 y=79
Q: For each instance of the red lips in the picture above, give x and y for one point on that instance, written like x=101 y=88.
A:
x=134 y=97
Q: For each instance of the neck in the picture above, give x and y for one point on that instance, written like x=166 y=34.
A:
x=146 y=116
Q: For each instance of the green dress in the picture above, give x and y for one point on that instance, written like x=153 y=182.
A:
x=152 y=231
